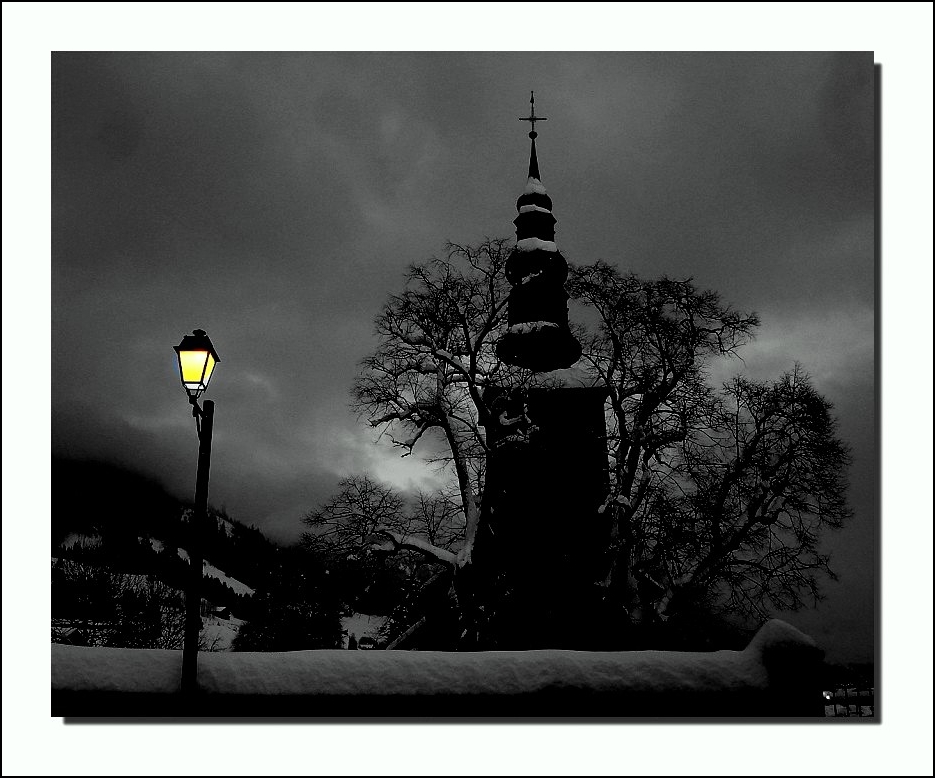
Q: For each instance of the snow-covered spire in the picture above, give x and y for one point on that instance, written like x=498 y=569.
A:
x=534 y=182
x=533 y=161
x=538 y=337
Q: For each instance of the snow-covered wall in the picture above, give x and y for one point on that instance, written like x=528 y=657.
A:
x=774 y=676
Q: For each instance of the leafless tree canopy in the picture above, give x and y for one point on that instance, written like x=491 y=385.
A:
x=435 y=359
x=344 y=524
x=716 y=494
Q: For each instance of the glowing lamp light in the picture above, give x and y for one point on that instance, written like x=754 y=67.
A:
x=197 y=359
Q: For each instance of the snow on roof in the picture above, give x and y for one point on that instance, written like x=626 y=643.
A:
x=241 y=588
x=75 y=538
x=213 y=572
x=414 y=673
x=528 y=208
x=362 y=625
x=531 y=244
x=526 y=327
x=569 y=377
x=534 y=185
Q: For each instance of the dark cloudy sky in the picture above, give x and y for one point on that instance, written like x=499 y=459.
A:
x=275 y=199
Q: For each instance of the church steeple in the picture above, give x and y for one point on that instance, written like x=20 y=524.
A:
x=533 y=160
x=532 y=119
x=538 y=337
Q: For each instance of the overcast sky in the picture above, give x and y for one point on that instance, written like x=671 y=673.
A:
x=275 y=200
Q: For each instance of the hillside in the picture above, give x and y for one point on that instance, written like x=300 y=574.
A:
x=120 y=563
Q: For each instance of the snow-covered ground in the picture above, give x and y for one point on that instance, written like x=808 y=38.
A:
x=220 y=633
x=631 y=678
x=407 y=672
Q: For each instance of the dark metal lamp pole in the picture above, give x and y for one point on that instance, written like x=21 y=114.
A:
x=195 y=552
x=197 y=359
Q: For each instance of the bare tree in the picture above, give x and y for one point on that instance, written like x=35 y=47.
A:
x=716 y=496
x=368 y=516
x=434 y=360
x=397 y=547
x=764 y=475
x=438 y=517
x=344 y=525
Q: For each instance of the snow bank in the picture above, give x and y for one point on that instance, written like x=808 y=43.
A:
x=406 y=673
x=771 y=677
x=140 y=670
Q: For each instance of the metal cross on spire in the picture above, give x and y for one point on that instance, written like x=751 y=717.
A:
x=532 y=118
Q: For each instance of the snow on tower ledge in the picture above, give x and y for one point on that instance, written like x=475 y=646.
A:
x=774 y=676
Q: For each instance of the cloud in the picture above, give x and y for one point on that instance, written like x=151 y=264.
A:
x=834 y=345
x=366 y=451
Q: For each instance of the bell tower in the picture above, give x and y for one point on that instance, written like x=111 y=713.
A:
x=542 y=534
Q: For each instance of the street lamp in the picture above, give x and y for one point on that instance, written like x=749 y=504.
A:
x=197 y=359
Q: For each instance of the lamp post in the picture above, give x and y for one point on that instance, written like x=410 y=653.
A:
x=197 y=359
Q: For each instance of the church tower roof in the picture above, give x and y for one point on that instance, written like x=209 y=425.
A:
x=538 y=337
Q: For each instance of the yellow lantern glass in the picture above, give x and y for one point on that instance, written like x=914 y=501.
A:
x=197 y=359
